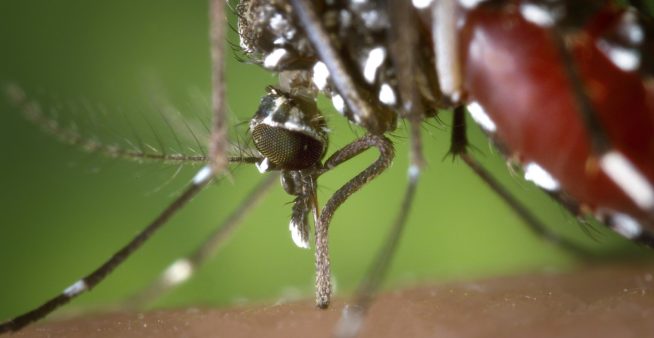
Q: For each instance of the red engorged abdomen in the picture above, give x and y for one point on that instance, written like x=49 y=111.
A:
x=513 y=70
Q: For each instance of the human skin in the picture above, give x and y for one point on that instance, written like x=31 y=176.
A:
x=610 y=300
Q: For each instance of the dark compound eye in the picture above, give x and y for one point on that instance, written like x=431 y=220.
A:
x=287 y=149
x=288 y=131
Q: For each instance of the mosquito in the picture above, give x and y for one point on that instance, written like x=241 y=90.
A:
x=296 y=40
x=288 y=113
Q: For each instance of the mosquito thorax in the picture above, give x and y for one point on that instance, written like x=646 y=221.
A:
x=289 y=131
x=269 y=35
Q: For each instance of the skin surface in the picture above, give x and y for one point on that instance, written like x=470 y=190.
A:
x=614 y=300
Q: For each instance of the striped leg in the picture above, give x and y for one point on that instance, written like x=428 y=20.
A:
x=94 y=278
x=183 y=268
x=404 y=37
x=218 y=162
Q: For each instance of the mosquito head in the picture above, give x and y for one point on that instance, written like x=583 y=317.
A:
x=289 y=131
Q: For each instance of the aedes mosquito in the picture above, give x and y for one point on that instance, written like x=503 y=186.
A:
x=279 y=97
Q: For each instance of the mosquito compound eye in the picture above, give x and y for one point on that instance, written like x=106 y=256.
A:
x=288 y=131
x=285 y=148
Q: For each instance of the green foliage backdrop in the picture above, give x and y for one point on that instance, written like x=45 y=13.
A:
x=100 y=65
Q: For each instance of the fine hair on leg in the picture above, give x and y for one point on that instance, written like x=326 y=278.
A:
x=387 y=153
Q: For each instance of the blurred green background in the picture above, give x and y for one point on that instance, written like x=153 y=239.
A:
x=109 y=68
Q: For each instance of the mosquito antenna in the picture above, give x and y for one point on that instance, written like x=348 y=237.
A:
x=182 y=269
x=33 y=112
x=199 y=103
x=195 y=138
x=162 y=146
x=88 y=282
x=173 y=130
x=172 y=117
x=137 y=137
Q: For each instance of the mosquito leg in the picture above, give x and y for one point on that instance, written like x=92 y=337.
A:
x=630 y=228
x=459 y=148
x=403 y=38
x=218 y=141
x=352 y=317
x=182 y=269
x=387 y=153
x=88 y=282
x=218 y=162
x=523 y=212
